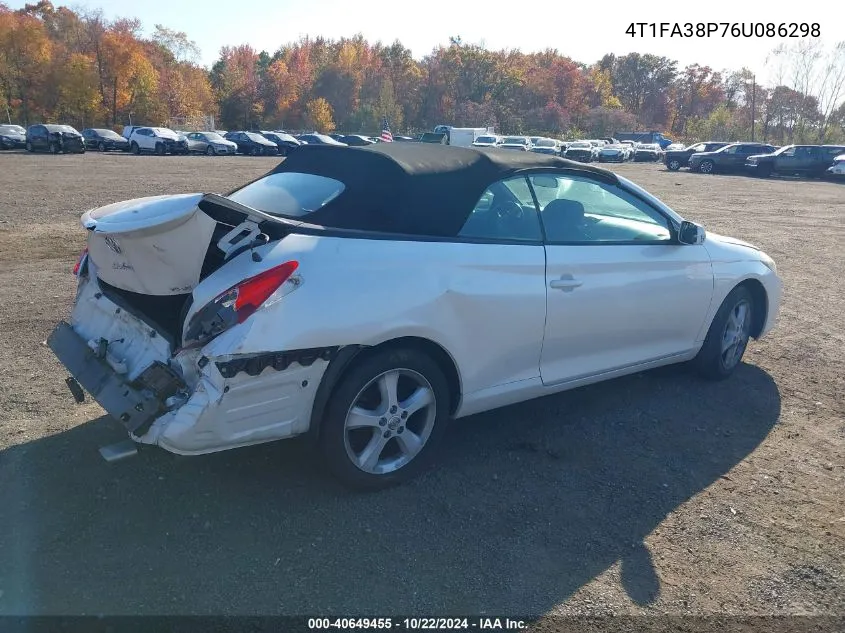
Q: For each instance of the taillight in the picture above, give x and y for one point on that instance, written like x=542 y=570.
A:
x=78 y=266
x=239 y=302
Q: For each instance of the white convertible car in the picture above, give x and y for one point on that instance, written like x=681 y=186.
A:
x=366 y=296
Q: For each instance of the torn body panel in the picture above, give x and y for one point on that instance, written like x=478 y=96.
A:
x=183 y=403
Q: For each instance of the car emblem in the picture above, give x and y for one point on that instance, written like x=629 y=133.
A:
x=113 y=244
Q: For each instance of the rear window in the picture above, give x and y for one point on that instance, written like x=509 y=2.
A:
x=289 y=194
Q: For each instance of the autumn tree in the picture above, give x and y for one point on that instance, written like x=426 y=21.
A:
x=320 y=116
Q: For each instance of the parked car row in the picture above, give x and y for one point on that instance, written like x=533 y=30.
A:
x=761 y=159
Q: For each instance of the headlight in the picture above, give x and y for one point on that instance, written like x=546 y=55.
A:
x=768 y=262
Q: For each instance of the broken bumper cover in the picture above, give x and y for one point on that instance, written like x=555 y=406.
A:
x=229 y=401
x=134 y=404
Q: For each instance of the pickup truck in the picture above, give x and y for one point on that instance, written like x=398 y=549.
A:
x=804 y=160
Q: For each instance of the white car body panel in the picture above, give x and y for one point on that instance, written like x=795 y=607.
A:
x=634 y=304
x=490 y=307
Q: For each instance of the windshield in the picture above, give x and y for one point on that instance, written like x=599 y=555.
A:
x=107 y=133
x=163 y=131
x=486 y=139
x=256 y=137
x=516 y=140
x=61 y=128
x=12 y=129
x=648 y=146
x=580 y=144
x=545 y=142
x=289 y=194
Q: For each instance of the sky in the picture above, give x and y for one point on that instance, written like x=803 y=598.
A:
x=582 y=31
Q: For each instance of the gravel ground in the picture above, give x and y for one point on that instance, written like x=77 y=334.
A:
x=652 y=494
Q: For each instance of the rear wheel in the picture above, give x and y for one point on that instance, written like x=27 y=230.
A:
x=385 y=418
x=29 y=147
x=727 y=337
x=706 y=167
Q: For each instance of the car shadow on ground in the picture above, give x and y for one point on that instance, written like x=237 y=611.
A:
x=524 y=506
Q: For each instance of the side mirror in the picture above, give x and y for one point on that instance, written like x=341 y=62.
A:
x=691 y=233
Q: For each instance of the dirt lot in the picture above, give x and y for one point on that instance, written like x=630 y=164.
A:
x=652 y=494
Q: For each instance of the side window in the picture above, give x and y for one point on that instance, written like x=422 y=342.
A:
x=584 y=211
x=789 y=152
x=505 y=211
x=731 y=150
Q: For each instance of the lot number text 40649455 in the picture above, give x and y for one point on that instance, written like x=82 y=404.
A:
x=723 y=29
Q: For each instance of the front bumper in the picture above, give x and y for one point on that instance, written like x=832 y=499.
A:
x=616 y=158
x=645 y=157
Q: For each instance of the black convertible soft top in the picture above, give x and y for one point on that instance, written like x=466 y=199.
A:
x=414 y=188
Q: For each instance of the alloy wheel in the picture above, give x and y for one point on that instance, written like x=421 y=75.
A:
x=390 y=421
x=735 y=336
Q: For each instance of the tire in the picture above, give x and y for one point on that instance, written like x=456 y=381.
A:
x=54 y=148
x=673 y=165
x=136 y=149
x=395 y=460
x=706 y=167
x=29 y=147
x=101 y=146
x=210 y=151
x=726 y=341
x=159 y=150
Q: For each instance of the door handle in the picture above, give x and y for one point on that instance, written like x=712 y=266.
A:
x=565 y=283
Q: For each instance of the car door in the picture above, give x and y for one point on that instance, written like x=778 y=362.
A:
x=498 y=290
x=785 y=161
x=40 y=137
x=621 y=290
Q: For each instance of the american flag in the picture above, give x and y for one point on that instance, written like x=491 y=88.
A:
x=386 y=136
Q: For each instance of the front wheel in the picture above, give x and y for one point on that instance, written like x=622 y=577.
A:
x=29 y=147
x=674 y=164
x=209 y=151
x=706 y=167
x=727 y=337
x=101 y=146
x=136 y=149
x=385 y=418
x=159 y=150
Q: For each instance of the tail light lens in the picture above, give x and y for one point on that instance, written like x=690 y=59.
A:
x=239 y=302
x=79 y=267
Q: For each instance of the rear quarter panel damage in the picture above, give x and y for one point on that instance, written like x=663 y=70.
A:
x=483 y=303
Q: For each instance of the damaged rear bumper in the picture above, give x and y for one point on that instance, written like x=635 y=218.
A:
x=135 y=404
x=210 y=404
